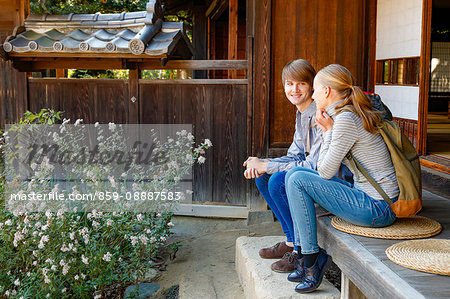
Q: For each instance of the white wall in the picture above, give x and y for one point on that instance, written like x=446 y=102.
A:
x=399 y=34
x=399 y=28
x=403 y=101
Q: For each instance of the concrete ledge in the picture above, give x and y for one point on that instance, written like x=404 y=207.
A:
x=259 y=282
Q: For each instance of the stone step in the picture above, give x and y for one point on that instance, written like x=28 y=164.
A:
x=259 y=282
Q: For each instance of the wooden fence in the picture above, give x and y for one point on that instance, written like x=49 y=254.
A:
x=217 y=109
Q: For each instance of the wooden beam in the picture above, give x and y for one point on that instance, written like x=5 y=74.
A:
x=199 y=36
x=198 y=64
x=30 y=64
x=232 y=34
x=424 y=77
x=434 y=165
x=196 y=81
x=261 y=77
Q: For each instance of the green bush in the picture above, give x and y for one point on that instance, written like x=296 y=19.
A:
x=73 y=253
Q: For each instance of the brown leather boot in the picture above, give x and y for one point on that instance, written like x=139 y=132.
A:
x=277 y=251
x=286 y=264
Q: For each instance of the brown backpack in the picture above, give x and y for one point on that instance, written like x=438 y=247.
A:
x=407 y=169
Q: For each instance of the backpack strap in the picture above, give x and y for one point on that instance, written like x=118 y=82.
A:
x=355 y=163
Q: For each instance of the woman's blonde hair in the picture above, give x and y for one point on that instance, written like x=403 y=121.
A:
x=341 y=80
x=298 y=70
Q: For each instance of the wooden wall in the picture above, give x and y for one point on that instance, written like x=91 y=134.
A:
x=13 y=94
x=322 y=32
x=217 y=110
x=219 y=44
x=13 y=84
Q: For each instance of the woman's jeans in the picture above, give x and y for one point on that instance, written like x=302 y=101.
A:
x=305 y=186
x=272 y=188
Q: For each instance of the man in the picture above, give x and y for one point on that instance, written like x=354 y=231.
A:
x=297 y=79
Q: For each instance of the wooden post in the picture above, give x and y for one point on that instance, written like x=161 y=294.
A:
x=349 y=290
x=232 y=35
x=424 y=77
x=199 y=36
x=133 y=96
x=60 y=73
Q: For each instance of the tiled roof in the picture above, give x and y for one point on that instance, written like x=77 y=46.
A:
x=141 y=32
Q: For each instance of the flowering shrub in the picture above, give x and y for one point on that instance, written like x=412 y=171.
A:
x=73 y=252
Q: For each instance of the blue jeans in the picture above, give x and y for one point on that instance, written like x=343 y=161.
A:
x=305 y=186
x=272 y=188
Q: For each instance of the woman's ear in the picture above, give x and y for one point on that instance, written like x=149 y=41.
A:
x=327 y=91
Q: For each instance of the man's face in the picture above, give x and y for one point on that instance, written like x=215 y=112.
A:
x=297 y=92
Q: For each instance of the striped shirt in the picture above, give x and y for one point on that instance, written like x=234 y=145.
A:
x=348 y=133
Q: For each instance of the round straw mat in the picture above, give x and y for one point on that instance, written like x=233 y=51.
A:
x=415 y=227
x=431 y=255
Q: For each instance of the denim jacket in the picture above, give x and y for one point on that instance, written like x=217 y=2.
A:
x=297 y=153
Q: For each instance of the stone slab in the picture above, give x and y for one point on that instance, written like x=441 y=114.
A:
x=259 y=282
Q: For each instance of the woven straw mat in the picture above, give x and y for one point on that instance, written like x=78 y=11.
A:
x=431 y=255
x=415 y=227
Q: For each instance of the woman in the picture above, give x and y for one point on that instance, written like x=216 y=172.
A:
x=349 y=123
x=269 y=174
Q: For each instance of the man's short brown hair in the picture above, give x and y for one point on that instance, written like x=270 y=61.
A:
x=298 y=70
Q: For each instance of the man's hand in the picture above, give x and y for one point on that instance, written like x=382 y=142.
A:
x=251 y=173
x=256 y=167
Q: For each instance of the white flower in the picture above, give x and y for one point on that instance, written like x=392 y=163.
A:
x=78 y=121
x=148 y=231
x=65 y=121
x=111 y=126
x=95 y=224
x=208 y=142
x=76 y=277
x=8 y=222
x=64 y=290
x=53 y=268
x=143 y=239
x=139 y=217
x=96 y=124
x=7 y=293
x=17 y=282
x=109 y=222
x=107 y=257
x=98 y=296
x=28 y=274
x=48 y=213
x=48 y=294
x=83 y=276
x=85 y=259
x=189 y=191
x=65 y=269
x=170 y=224
x=201 y=160
x=134 y=240
x=163 y=239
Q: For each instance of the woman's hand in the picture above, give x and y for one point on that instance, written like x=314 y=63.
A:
x=323 y=120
